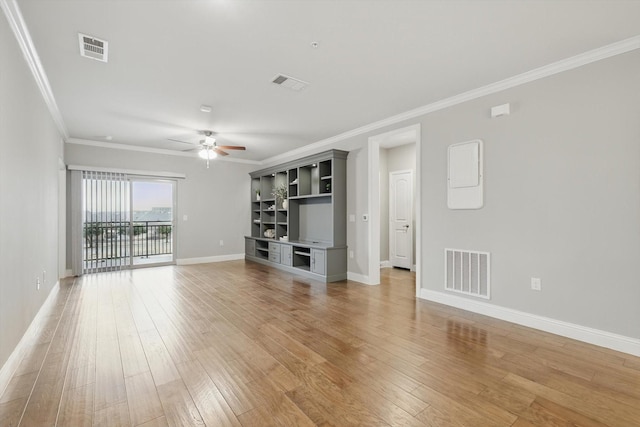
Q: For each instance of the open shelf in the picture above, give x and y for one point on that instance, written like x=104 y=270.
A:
x=314 y=221
x=311 y=196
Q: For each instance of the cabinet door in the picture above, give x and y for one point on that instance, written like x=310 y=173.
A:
x=318 y=262
x=274 y=247
x=274 y=257
x=250 y=247
x=285 y=255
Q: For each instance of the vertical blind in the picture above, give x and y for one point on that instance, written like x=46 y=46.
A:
x=105 y=221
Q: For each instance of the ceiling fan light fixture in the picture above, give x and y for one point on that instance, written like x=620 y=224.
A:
x=209 y=141
x=207 y=154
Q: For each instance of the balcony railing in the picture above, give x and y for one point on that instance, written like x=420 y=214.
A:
x=105 y=241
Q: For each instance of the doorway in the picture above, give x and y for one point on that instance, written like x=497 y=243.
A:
x=377 y=179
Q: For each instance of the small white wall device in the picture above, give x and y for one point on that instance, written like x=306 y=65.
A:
x=500 y=110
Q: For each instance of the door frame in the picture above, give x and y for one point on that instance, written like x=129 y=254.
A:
x=374 y=144
x=411 y=219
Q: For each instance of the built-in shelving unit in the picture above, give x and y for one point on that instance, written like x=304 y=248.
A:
x=306 y=235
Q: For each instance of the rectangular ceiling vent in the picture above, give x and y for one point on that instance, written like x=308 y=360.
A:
x=93 y=48
x=289 y=82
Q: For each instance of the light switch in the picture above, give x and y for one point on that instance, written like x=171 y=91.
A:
x=352 y=218
x=184 y=217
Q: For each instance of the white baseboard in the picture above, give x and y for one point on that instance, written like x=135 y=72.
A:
x=387 y=264
x=12 y=363
x=67 y=273
x=358 y=278
x=203 y=260
x=581 y=333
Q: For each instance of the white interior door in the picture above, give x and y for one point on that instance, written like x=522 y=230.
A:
x=401 y=219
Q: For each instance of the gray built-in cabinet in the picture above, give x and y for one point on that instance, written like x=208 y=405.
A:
x=308 y=236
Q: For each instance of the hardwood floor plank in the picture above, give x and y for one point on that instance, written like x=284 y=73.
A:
x=11 y=411
x=160 y=362
x=112 y=416
x=179 y=408
x=158 y=422
x=590 y=404
x=213 y=408
x=20 y=386
x=144 y=403
x=237 y=343
x=76 y=408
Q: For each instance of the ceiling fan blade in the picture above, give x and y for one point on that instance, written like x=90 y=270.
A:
x=220 y=152
x=231 y=147
x=181 y=142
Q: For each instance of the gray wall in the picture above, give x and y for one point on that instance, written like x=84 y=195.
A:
x=30 y=150
x=384 y=204
x=215 y=200
x=562 y=195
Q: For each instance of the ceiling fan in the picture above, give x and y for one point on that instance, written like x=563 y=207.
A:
x=207 y=147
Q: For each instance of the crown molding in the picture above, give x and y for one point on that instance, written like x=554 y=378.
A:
x=567 y=64
x=19 y=28
x=127 y=147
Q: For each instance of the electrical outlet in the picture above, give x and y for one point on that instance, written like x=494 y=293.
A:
x=536 y=284
x=37 y=283
x=185 y=217
x=350 y=254
x=221 y=242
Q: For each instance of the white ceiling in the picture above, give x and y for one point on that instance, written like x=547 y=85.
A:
x=375 y=59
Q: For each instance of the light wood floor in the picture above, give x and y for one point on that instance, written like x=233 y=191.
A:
x=241 y=344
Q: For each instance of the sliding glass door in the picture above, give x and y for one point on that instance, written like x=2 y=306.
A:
x=126 y=222
x=152 y=208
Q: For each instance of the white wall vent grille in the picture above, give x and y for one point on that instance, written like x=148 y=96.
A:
x=93 y=48
x=467 y=272
x=289 y=82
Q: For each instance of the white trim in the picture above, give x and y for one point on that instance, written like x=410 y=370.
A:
x=567 y=64
x=204 y=260
x=374 y=209
x=12 y=363
x=20 y=30
x=358 y=278
x=417 y=268
x=127 y=147
x=67 y=273
x=385 y=264
x=128 y=171
x=571 y=330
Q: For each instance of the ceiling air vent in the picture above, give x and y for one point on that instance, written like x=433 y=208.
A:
x=93 y=48
x=289 y=82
